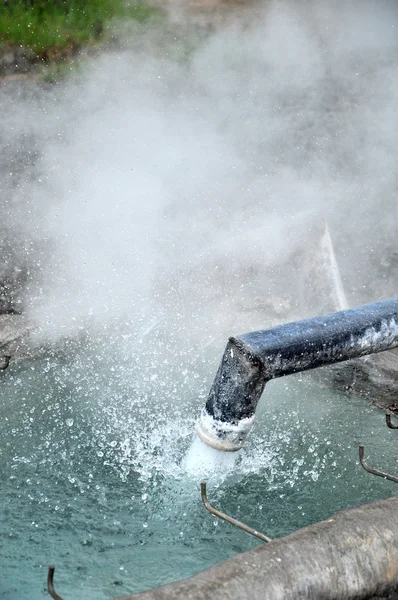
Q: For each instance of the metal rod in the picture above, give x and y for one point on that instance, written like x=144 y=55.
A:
x=6 y=362
x=389 y=422
x=371 y=470
x=50 y=584
x=229 y=519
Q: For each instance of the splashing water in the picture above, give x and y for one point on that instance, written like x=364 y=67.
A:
x=203 y=461
x=100 y=471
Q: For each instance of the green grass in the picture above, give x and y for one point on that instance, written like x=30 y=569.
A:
x=54 y=29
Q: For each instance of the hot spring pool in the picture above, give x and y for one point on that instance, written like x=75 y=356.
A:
x=93 y=477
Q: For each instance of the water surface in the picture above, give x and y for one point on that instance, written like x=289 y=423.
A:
x=93 y=475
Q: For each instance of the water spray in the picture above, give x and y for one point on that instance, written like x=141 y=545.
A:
x=252 y=359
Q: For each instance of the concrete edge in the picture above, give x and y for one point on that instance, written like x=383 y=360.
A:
x=351 y=555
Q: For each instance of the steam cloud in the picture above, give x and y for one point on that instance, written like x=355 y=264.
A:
x=148 y=187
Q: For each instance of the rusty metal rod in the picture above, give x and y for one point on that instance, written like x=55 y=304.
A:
x=389 y=422
x=229 y=519
x=371 y=470
x=50 y=583
x=6 y=362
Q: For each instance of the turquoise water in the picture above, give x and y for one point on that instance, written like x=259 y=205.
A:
x=93 y=479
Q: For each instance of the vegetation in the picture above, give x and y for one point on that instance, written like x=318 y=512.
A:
x=55 y=29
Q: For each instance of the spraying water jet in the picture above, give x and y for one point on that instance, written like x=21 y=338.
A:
x=252 y=359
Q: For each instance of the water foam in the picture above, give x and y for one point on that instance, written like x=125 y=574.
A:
x=201 y=460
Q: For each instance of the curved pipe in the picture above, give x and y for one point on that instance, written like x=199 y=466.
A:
x=252 y=359
x=351 y=556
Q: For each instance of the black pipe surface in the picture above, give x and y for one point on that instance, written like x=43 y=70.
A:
x=252 y=359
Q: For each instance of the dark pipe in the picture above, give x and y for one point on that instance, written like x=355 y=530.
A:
x=252 y=359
